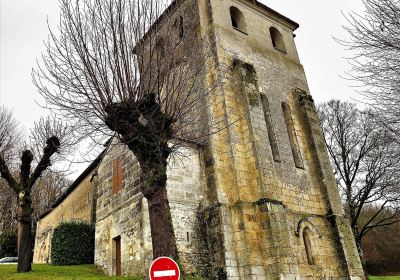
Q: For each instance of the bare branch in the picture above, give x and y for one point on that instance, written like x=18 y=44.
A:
x=6 y=175
x=365 y=159
x=52 y=146
x=375 y=46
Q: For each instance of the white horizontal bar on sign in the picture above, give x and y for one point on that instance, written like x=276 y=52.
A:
x=163 y=273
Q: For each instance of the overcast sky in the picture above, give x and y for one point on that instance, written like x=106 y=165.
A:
x=24 y=27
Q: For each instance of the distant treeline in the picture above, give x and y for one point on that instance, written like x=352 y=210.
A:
x=381 y=247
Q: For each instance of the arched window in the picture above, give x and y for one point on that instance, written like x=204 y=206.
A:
x=307 y=246
x=237 y=19
x=277 y=39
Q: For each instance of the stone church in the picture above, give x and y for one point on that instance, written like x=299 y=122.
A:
x=260 y=202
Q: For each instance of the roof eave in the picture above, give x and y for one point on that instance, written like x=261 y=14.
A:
x=294 y=25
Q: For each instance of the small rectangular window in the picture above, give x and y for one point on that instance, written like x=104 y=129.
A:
x=116 y=176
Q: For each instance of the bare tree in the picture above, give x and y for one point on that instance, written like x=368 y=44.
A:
x=375 y=44
x=122 y=67
x=46 y=138
x=46 y=191
x=9 y=133
x=7 y=205
x=381 y=246
x=366 y=162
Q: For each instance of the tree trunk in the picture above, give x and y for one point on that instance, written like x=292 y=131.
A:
x=162 y=231
x=19 y=234
x=25 y=240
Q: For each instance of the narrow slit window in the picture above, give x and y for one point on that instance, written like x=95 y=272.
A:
x=116 y=176
x=307 y=246
x=160 y=48
x=277 y=39
x=270 y=129
x=237 y=19
x=179 y=27
x=292 y=136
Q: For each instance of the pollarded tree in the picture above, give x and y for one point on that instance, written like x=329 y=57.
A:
x=45 y=192
x=375 y=46
x=366 y=162
x=46 y=138
x=122 y=67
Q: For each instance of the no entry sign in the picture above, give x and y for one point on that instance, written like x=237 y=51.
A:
x=164 y=268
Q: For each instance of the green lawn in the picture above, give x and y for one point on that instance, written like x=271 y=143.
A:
x=84 y=272
x=384 y=277
x=48 y=272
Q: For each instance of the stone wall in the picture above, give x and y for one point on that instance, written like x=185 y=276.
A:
x=119 y=214
x=125 y=214
x=76 y=206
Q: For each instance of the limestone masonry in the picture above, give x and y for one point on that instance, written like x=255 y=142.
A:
x=261 y=200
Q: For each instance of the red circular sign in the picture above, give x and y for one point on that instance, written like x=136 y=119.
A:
x=164 y=268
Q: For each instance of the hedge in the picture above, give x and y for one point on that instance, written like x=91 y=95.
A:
x=73 y=244
x=8 y=244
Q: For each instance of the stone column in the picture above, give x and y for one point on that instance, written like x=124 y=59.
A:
x=345 y=240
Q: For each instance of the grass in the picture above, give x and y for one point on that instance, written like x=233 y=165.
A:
x=49 y=272
x=85 y=272
x=384 y=277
